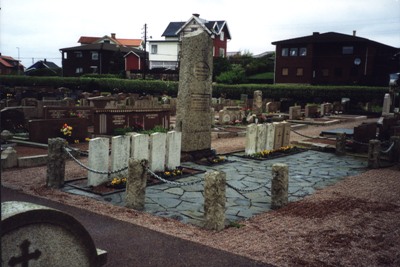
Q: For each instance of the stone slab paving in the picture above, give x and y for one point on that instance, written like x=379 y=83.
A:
x=249 y=185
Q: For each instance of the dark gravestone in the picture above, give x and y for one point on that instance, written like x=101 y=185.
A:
x=12 y=120
x=386 y=127
x=41 y=130
x=362 y=134
x=34 y=235
x=107 y=120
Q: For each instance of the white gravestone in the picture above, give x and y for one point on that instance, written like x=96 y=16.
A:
x=98 y=160
x=278 y=135
x=120 y=152
x=261 y=137
x=270 y=136
x=173 y=150
x=251 y=139
x=157 y=151
x=286 y=133
x=140 y=146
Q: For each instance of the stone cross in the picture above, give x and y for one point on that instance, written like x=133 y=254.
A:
x=25 y=255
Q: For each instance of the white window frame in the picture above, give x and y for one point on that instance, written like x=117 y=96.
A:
x=95 y=55
x=154 y=49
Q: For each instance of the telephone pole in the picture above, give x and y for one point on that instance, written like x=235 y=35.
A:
x=145 y=52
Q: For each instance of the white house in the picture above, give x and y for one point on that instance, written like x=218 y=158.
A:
x=165 y=53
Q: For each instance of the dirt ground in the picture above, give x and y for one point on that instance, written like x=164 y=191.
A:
x=355 y=222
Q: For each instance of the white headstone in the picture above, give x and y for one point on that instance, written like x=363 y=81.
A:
x=157 y=151
x=386 y=105
x=270 y=136
x=261 y=137
x=120 y=153
x=251 y=139
x=286 y=134
x=173 y=150
x=278 y=135
x=98 y=160
x=140 y=146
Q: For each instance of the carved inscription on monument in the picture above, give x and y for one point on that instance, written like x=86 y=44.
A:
x=200 y=102
x=118 y=119
x=201 y=71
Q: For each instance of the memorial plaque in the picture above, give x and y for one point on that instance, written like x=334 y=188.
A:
x=201 y=71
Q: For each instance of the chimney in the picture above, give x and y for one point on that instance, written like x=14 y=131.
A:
x=354 y=32
x=196 y=14
x=113 y=35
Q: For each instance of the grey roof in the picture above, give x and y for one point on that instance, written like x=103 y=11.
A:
x=214 y=26
x=329 y=37
x=104 y=47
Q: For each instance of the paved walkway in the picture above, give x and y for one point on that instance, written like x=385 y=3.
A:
x=249 y=185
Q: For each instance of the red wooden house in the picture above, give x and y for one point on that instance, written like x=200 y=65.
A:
x=334 y=58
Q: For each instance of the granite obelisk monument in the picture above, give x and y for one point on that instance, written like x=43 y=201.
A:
x=194 y=94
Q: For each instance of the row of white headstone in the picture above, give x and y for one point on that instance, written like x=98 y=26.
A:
x=267 y=136
x=162 y=150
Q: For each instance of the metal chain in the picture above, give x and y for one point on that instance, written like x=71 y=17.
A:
x=310 y=137
x=245 y=190
x=172 y=182
x=93 y=170
x=81 y=152
x=388 y=150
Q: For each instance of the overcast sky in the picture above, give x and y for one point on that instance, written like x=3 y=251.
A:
x=37 y=29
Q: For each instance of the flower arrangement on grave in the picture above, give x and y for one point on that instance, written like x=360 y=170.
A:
x=216 y=159
x=178 y=171
x=66 y=130
x=117 y=182
x=273 y=152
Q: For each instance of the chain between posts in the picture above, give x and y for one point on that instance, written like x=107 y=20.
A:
x=310 y=137
x=246 y=190
x=172 y=182
x=388 y=150
x=93 y=170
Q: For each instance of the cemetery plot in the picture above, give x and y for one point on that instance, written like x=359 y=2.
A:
x=213 y=161
x=118 y=185
x=272 y=154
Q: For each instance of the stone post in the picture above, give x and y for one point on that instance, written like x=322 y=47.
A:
x=340 y=144
x=394 y=154
x=136 y=184
x=279 y=185
x=374 y=149
x=214 y=200
x=55 y=163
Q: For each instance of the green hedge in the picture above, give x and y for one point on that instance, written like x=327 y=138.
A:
x=306 y=93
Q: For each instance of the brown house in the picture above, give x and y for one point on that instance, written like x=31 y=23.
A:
x=100 y=58
x=9 y=65
x=334 y=58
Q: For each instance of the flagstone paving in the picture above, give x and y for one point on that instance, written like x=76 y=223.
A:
x=248 y=185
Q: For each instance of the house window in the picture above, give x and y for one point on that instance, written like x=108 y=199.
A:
x=285 y=52
x=94 y=69
x=154 y=49
x=299 y=72
x=325 y=72
x=303 y=52
x=221 y=52
x=78 y=54
x=347 y=50
x=79 y=70
x=285 y=71
x=294 y=52
x=221 y=36
x=95 y=55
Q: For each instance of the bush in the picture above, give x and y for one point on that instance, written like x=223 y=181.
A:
x=234 y=76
